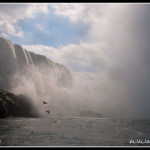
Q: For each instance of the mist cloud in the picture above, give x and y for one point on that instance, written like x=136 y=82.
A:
x=111 y=69
x=117 y=55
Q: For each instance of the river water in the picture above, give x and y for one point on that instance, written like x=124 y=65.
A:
x=74 y=132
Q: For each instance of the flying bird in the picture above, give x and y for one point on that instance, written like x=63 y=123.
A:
x=44 y=102
x=47 y=111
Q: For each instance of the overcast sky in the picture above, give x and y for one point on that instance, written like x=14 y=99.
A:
x=111 y=42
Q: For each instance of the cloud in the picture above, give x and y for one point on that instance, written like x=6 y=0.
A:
x=10 y=14
x=84 y=56
x=39 y=26
x=77 y=12
x=69 y=10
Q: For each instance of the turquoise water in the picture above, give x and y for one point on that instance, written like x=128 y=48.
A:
x=74 y=132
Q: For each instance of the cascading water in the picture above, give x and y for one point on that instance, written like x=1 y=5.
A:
x=19 y=58
x=24 y=72
x=8 y=64
x=22 y=61
x=30 y=60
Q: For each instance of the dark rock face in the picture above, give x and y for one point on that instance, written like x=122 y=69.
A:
x=3 y=108
x=89 y=113
x=12 y=105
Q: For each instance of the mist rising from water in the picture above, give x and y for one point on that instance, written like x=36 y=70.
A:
x=35 y=76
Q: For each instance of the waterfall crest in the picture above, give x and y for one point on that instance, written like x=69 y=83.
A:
x=16 y=60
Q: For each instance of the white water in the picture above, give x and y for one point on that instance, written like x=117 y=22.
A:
x=30 y=59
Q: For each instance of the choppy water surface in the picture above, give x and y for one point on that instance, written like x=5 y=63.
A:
x=74 y=132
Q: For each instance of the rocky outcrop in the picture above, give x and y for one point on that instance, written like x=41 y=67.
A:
x=12 y=105
x=89 y=113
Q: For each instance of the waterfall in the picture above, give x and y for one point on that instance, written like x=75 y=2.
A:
x=21 y=56
x=30 y=60
x=8 y=64
x=12 y=49
x=15 y=60
x=6 y=46
x=50 y=64
x=25 y=54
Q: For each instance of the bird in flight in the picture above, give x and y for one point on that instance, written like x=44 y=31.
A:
x=44 y=102
x=47 y=111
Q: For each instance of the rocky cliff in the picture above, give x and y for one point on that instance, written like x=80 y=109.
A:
x=12 y=105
